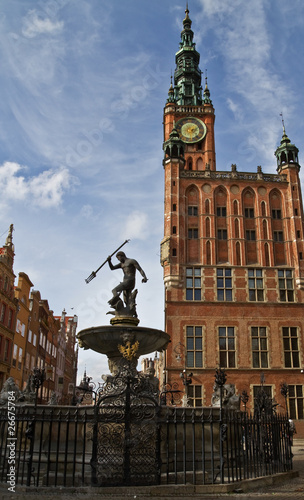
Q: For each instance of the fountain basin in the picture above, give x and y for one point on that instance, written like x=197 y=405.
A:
x=105 y=339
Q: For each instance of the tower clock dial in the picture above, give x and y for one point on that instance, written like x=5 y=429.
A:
x=191 y=129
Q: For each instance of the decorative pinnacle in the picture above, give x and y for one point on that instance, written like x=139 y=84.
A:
x=284 y=132
x=187 y=21
x=9 y=239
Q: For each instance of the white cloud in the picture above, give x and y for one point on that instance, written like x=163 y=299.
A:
x=45 y=190
x=34 y=24
x=136 y=226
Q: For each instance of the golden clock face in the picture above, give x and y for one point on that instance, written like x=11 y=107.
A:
x=191 y=129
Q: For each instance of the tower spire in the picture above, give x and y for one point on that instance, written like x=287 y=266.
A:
x=187 y=75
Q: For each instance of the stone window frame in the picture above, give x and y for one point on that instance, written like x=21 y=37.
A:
x=193 y=283
x=286 y=288
x=259 y=351
x=296 y=401
x=226 y=282
x=195 y=395
x=194 y=346
x=256 y=293
x=227 y=346
x=291 y=349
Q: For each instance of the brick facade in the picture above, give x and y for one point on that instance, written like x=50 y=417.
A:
x=233 y=257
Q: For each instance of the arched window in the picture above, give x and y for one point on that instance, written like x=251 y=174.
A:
x=236 y=228
x=238 y=253
x=266 y=251
x=263 y=208
x=235 y=207
x=207 y=206
x=265 y=235
x=207 y=227
x=208 y=253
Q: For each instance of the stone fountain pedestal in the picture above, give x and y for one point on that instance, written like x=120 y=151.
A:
x=126 y=436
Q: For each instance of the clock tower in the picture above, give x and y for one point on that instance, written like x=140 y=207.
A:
x=232 y=255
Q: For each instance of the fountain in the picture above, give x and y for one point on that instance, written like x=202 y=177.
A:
x=126 y=442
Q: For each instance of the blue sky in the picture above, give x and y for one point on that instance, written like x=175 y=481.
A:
x=82 y=87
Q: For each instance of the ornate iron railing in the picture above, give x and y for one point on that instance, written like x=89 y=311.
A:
x=141 y=444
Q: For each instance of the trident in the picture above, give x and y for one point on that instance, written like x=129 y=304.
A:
x=92 y=276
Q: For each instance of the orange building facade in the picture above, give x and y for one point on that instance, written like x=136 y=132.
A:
x=232 y=254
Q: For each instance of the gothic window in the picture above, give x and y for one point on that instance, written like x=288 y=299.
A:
x=265 y=229
x=224 y=284
x=263 y=207
x=238 y=253
x=207 y=227
x=255 y=285
x=193 y=210
x=266 y=252
x=208 y=253
x=193 y=283
x=221 y=211
x=194 y=346
x=286 y=285
x=276 y=213
x=227 y=346
x=207 y=206
x=259 y=347
x=296 y=402
x=235 y=207
x=249 y=213
x=236 y=228
x=195 y=395
x=291 y=347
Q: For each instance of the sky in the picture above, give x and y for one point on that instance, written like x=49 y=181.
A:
x=82 y=91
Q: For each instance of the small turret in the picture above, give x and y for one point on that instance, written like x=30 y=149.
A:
x=286 y=153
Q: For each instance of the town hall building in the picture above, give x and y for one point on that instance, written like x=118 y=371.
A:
x=232 y=256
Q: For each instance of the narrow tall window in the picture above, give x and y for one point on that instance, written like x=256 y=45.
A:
x=259 y=347
x=286 y=286
x=194 y=346
x=193 y=283
x=195 y=395
x=227 y=346
x=291 y=347
x=255 y=284
x=296 y=402
x=224 y=284
x=15 y=349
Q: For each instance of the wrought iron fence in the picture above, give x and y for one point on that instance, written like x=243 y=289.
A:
x=148 y=444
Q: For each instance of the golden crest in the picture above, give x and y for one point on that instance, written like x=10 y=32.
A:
x=129 y=351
